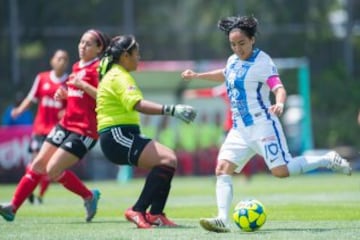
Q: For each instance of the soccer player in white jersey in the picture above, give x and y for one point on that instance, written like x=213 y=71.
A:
x=250 y=75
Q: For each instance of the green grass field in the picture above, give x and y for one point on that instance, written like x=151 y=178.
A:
x=316 y=206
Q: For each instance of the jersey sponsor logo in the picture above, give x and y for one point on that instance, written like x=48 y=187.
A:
x=269 y=138
x=131 y=88
x=75 y=93
x=50 y=102
x=80 y=74
x=46 y=86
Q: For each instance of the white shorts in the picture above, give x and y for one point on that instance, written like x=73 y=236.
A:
x=266 y=139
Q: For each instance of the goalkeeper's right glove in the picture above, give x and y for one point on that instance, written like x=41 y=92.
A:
x=185 y=113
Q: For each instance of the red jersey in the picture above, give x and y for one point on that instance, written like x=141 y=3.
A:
x=218 y=91
x=80 y=115
x=42 y=92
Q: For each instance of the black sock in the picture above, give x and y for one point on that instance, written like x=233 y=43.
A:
x=159 y=200
x=158 y=178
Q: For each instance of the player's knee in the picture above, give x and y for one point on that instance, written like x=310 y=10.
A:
x=38 y=166
x=224 y=167
x=170 y=161
x=53 y=173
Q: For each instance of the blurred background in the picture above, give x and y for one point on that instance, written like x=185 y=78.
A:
x=316 y=44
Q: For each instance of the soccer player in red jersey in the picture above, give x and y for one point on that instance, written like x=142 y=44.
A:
x=75 y=134
x=49 y=110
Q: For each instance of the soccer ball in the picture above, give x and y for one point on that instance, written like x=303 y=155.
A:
x=249 y=215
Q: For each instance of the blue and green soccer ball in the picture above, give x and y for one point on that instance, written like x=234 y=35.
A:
x=249 y=215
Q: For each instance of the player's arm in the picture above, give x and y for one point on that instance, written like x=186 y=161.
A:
x=280 y=98
x=276 y=86
x=25 y=104
x=27 y=101
x=183 y=112
x=87 y=87
x=215 y=75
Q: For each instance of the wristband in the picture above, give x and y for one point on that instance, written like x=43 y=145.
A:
x=168 y=110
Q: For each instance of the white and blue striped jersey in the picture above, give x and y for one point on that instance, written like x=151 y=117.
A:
x=249 y=83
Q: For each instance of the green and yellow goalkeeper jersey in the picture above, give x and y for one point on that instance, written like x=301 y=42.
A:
x=116 y=97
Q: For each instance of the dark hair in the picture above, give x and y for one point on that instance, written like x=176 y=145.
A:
x=247 y=24
x=117 y=46
x=102 y=39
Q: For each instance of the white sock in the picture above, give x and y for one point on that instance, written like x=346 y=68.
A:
x=303 y=164
x=224 y=195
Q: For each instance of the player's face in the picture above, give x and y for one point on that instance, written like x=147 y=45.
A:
x=60 y=61
x=130 y=61
x=241 y=44
x=88 y=48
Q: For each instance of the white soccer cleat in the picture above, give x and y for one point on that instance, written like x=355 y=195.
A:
x=214 y=225
x=338 y=164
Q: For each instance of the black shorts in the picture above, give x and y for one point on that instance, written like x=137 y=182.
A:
x=36 y=142
x=123 y=144
x=72 y=142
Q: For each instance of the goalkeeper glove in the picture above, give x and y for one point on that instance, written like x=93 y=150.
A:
x=183 y=112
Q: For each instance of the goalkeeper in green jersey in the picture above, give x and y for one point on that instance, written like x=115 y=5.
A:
x=119 y=104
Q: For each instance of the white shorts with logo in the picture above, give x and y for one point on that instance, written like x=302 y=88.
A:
x=265 y=138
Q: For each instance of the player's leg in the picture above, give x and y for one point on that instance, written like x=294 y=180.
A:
x=233 y=156
x=35 y=144
x=332 y=160
x=162 y=162
x=71 y=150
x=38 y=141
x=43 y=186
x=273 y=147
x=28 y=182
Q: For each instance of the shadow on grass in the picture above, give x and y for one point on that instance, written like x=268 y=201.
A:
x=315 y=230
x=118 y=222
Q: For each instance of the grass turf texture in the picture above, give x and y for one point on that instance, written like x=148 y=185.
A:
x=317 y=206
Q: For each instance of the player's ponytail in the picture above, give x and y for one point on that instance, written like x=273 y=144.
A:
x=105 y=64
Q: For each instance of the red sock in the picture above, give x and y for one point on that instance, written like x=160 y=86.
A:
x=25 y=187
x=44 y=184
x=71 y=182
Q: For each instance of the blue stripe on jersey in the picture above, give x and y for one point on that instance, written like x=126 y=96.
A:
x=268 y=116
x=253 y=56
x=241 y=100
x=235 y=84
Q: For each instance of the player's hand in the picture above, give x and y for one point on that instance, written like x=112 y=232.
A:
x=15 y=113
x=277 y=109
x=188 y=74
x=185 y=113
x=77 y=82
x=60 y=94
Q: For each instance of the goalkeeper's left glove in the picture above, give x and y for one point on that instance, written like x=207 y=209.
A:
x=185 y=113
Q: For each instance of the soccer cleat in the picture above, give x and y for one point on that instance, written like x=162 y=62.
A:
x=338 y=164
x=214 y=225
x=138 y=218
x=160 y=220
x=6 y=211
x=31 y=198
x=91 y=205
x=39 y=200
